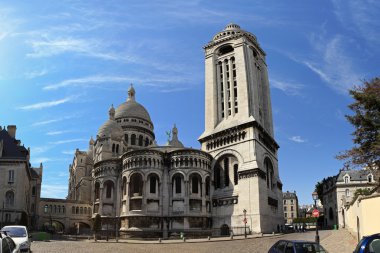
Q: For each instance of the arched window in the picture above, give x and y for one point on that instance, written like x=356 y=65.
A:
x=117 y=149
x=146 y=141
x=113 y=148
x=124 y=186
x=141 y=140
x=10 y=198
x=33 y=191
x=347 y=192
x=153 y=184
x=81 y=210
x=126 y=138
x=269 y=171
x=346 y=179
x=63 y=209
x=225 y=50
x=109 y=189
x=369 y=178
x=236 y=176
x=177 y=184
x=136 y=184
x=133 y=139
x=195 y=183
x=46 y=209
x=217 y=178
x=226 y=172
x=97 y=190
x=207 y=186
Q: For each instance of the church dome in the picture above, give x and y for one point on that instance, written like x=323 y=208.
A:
x=110 y=128
x=132 y=109
x=232 y=30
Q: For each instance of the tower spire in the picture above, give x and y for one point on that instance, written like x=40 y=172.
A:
x=131 y=93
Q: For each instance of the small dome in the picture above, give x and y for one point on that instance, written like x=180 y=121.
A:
x=232 y=30
x=232 y=26
x=131 y=108
x=110 y=128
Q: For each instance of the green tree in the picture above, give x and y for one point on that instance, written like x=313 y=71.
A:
x=366 y=121
x=96 y=225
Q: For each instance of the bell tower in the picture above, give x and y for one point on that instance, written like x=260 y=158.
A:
x=239 y=133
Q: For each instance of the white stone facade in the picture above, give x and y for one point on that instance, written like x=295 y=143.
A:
x=162 y=190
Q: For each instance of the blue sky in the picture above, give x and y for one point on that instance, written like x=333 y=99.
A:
x=63 y=63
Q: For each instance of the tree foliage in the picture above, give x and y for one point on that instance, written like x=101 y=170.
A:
x=366 y=121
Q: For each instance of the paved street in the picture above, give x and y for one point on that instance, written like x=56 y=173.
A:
x=334 y=241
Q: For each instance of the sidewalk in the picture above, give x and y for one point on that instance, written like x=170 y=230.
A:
x=197 y=240
x=339 y=241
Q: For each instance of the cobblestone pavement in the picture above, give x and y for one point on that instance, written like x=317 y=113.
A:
x=334 y=241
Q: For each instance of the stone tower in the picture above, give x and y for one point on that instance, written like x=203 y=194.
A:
x=239 y=134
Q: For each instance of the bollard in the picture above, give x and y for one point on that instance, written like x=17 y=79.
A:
x=184 y=239
x=159 y=240
x=208 y=238
x=231 y=236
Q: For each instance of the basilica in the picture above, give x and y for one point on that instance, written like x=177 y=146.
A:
x=230 y=184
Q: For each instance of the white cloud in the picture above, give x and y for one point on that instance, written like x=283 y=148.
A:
x=36 y=73
x=48 y=104
x=67 y=141
x=57 y=132
x=53 y=191
x=50 y=121
x=297 y=139
x=289 y=88
x=38 y=160
x=68 y=152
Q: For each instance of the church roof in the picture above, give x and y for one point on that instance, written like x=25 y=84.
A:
x=131 y=108
x=9 y=147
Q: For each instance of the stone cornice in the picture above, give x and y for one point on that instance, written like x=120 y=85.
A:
x=252 y=173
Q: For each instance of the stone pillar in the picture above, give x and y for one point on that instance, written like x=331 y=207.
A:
x=144 y=197
x=204 y=197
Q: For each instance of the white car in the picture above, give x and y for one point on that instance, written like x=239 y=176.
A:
x=20 y=236
x=7 y=245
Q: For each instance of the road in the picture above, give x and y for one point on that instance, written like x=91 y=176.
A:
x=334 y=241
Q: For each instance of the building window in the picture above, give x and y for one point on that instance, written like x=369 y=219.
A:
x=285 y=208
x=146 y=141
x=284 y=201
x=153 y=184
x=126 y=138
x=46 y=209
x=11 y=176
x=207 y=186
x=73 y=210
x=269 y=170
x=291 y=208
x=177 y=184
x=194 y=184
x=33 y=191
x=346 y=179
x=226 y=172
x=347 y=192
x=370 y=179
x=285 y=215
x=140 y=140
x=291 y=201
x=292 y=215
x=236 y=176
x=97 y=190
x=133 y=139
x=109 y=189
x=10 y=198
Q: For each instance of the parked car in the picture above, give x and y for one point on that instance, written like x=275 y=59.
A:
x=369 y=244
x=7 y=245
x=20 y=236
x=286 y=246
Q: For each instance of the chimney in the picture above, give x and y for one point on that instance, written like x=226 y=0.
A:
x=12 y=131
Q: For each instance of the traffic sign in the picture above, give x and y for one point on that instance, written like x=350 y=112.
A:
x=315 y=213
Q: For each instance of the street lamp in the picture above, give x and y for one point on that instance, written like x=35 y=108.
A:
x=315 y=198
x=245 y=223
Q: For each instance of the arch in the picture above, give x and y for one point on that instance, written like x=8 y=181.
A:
x=224 y=230
x=223 y=170
x=225 y=49
x=54 y=226
x=268 y=168
x=136 y=184
x=109 y=186
x=153 y=180
x=178 y=184
x=124 y=186
x=196 y=183
x=133 y=139
x=97 y=190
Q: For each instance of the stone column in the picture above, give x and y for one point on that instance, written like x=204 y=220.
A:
x=203 y=197
x=100 y=210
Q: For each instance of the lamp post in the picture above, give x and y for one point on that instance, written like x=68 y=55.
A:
x=315 y=198
x=245 y=223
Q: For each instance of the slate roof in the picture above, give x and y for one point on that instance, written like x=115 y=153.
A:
x=355 y=175
x=11 y=149
x=289 y=195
